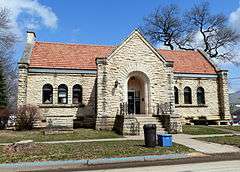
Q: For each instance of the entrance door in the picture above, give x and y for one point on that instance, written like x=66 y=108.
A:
x=133 y=102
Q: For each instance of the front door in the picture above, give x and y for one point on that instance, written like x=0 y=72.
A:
x=133 y=102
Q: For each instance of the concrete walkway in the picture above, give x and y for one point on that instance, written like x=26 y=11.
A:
x=87 y=140
x=227 y=130
x=202 y=146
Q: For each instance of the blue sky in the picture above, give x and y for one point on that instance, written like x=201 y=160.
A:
x=105 y=22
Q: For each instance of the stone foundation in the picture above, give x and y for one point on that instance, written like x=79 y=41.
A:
x=84 y=122
x=172 y=124
x=105 y=123
x=58 y=121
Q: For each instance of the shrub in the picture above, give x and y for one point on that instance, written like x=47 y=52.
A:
x=26 y=116
x=4 y=116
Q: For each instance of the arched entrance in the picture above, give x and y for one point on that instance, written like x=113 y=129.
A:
x=138 y=97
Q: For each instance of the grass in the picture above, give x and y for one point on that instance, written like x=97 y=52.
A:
x=234 y=128
x=92 y=150
x=228 y=140
x=201 y=130
x=7 y=136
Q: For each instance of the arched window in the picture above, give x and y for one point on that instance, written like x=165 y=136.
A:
x=176 y=95
x=47 y=94
x=62 y=94
x=77 y=94
x=187 y=95
x=200 y=95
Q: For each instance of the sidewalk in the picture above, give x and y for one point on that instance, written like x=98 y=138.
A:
x=65 y=164
x=202 y=146
x=87 y=140
x=227 y=130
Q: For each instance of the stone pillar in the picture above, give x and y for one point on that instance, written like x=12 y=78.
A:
x=146 y=96
x=175 y=125
x=223 y=96
x=101 y=121
x=23 y=69
x=22 y=84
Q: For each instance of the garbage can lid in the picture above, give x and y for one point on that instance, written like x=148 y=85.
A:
x=165 y=135
x=149 y=126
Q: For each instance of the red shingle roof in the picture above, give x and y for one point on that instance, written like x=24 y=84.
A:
x=77 y=56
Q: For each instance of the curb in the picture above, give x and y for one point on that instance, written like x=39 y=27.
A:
x=95 y=161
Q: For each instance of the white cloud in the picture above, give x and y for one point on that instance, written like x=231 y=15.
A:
x=29 y=14
x=234 y=19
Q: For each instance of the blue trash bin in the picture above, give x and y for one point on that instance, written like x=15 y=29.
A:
x=165 y=140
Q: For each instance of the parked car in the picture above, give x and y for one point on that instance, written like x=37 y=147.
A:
x=236 y=117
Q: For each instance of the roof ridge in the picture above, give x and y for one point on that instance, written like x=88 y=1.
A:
x=97 y=45
x=62 y=43
x=195 y=50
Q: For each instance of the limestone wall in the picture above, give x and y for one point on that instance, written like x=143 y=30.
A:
x=133 y=56
x=62 y=114
x=22 y=84
x=211 y=107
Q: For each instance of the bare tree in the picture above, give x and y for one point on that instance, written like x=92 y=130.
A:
x=7 y=43
x=218 y=40
x=163 y=25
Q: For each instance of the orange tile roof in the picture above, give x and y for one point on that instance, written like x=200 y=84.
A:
x=77 y=56
x=72 y=56
x=188 y=61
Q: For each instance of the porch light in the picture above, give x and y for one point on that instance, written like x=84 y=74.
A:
x=116 y=83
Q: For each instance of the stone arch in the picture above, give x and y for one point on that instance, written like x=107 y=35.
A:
x=140 y=71
x=144 y=91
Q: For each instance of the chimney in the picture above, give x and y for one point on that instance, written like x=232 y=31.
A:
x=31 y=36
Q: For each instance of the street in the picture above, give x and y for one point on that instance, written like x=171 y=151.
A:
x=220 y=166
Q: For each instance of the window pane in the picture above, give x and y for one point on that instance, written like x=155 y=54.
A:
x=62 y=94
x=187 y=95
x=77 y=94
x=47 y=94
x=176 y=95
x=200 y=96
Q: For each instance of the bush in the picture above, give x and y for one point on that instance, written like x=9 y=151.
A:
x=26 y=116
x=4 y=116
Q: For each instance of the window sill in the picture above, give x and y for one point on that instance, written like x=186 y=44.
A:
x=190 y=105
x=61 y=105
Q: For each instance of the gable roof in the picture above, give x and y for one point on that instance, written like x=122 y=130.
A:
x=137 y=33
x=77 y=56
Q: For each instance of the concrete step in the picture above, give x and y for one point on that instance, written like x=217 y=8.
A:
x=150 y=120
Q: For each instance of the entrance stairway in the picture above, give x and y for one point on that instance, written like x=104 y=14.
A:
x=150 y=120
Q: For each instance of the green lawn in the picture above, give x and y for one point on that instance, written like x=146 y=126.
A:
x=200 y=129
x=92 y=150
x=234 y=128
x=7 y=136
x=229 y=140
